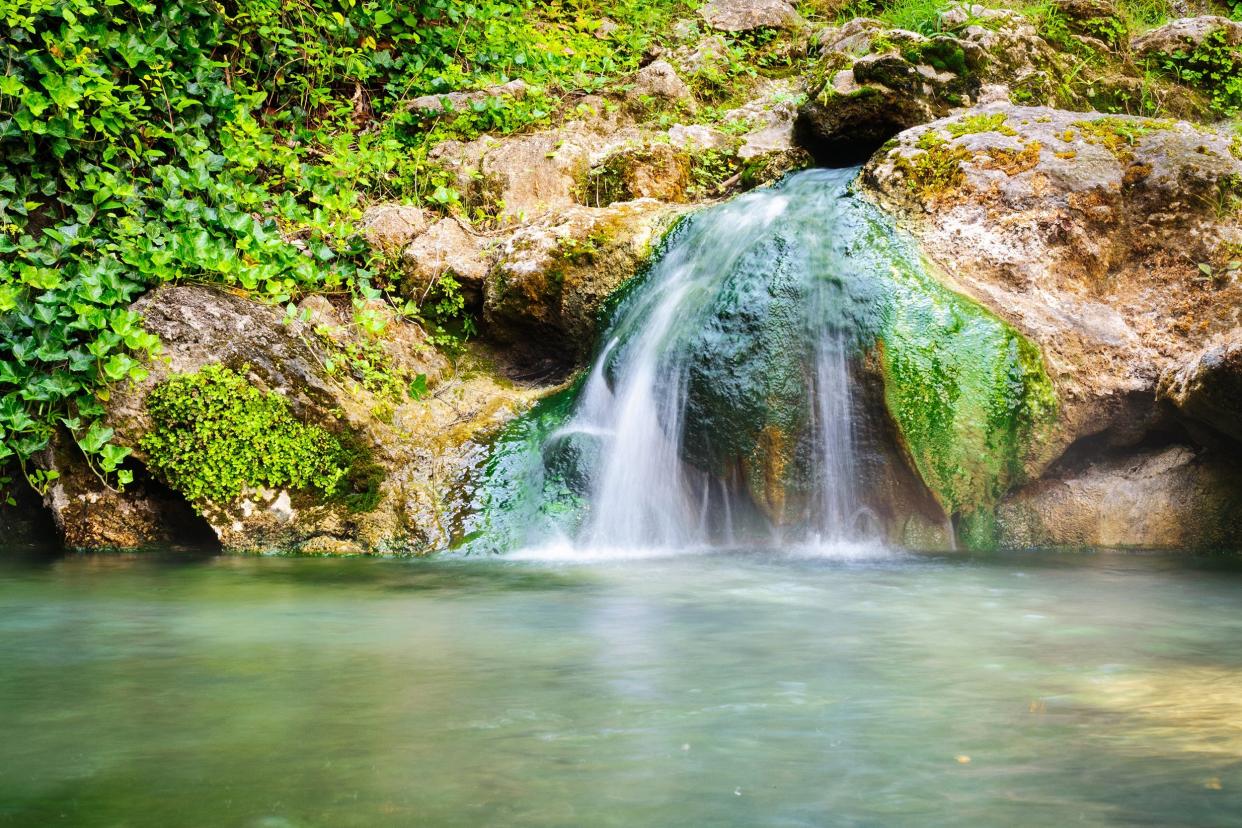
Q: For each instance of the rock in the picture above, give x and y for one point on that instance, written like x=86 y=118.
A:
x=659 y=80
x=770 y=119
x=1170 y=498
x=1082 y=231
x=1185 y=35
x=1208 y=386
x=390 y=226
x=552 y=276
x=89 y=515
x=697 y=137
x=653 y=170
x=748 y=15
x=872 y=82
x=448 y=246
x=459 y=101
x=415 y=449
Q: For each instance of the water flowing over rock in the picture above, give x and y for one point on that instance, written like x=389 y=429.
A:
x=739 y=393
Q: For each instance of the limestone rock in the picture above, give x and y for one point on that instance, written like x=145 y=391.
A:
x=1170 y=498
x=748 y=15
x=1208 y=386
x=552 y=276
x=391 y=226
x=459 y=101
x=448 y=246
x=1082 y=231
x=872 y=82
x=1186 y=34
x=650 y=170
x=420 y=447
x=89 y=515
x=659 y=80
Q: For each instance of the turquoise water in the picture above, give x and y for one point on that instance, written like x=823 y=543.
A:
x=717 y=689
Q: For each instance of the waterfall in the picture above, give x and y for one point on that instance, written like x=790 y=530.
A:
x=644 y=489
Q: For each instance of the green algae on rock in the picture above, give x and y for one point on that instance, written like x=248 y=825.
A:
x=805 y=267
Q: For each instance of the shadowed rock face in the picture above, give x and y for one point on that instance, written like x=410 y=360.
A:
x=1208 y=386
x=871 y=81
x=1169 y=498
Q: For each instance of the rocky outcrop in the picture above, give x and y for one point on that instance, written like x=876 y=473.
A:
x=872 y=81
x=748 y=15
x=1086 y=233
x=1170 y=498
x=1185 y=35
x=461 y=100
x=1208 y=387
x=414 y=449
x=551 y=277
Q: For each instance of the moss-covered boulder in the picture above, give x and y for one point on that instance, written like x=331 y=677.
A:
x=1106 y=241
x=284 y=431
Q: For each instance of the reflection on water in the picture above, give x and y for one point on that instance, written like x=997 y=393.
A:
x=711 y=689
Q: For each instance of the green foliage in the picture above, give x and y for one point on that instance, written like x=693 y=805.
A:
x=214 y=434
x=922 y=16
x=1214 y=67
x=234 y=144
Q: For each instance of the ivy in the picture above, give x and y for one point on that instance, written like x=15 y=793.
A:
x=234 y=143
x=1214 y=67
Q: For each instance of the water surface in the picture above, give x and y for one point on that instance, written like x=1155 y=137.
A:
x=715 y=689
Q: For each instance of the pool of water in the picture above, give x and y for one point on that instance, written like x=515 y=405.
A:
x=716 y=689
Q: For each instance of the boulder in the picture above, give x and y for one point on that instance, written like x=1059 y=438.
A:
x=748 y=15
x=410 y=450
x=1084 y=232
x=461 y=100
x=1168 y=498
x=552 y=276
x=1186 y=35
x=1207 y=387
x=659 y=81
x=391 y=226
x=872 y=82
x=448 y=246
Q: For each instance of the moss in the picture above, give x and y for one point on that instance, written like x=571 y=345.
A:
x=214 y=435
x=1013 y=161
x=968 y=393
x=936 y=170
x=974 y=124
x=1120 y=135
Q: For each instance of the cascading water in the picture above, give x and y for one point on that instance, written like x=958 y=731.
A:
x=729 y=405
x=643 y=491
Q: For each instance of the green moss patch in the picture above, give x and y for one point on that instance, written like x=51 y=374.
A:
x=1120 y=135
x=975 y=124
x=214 y=435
